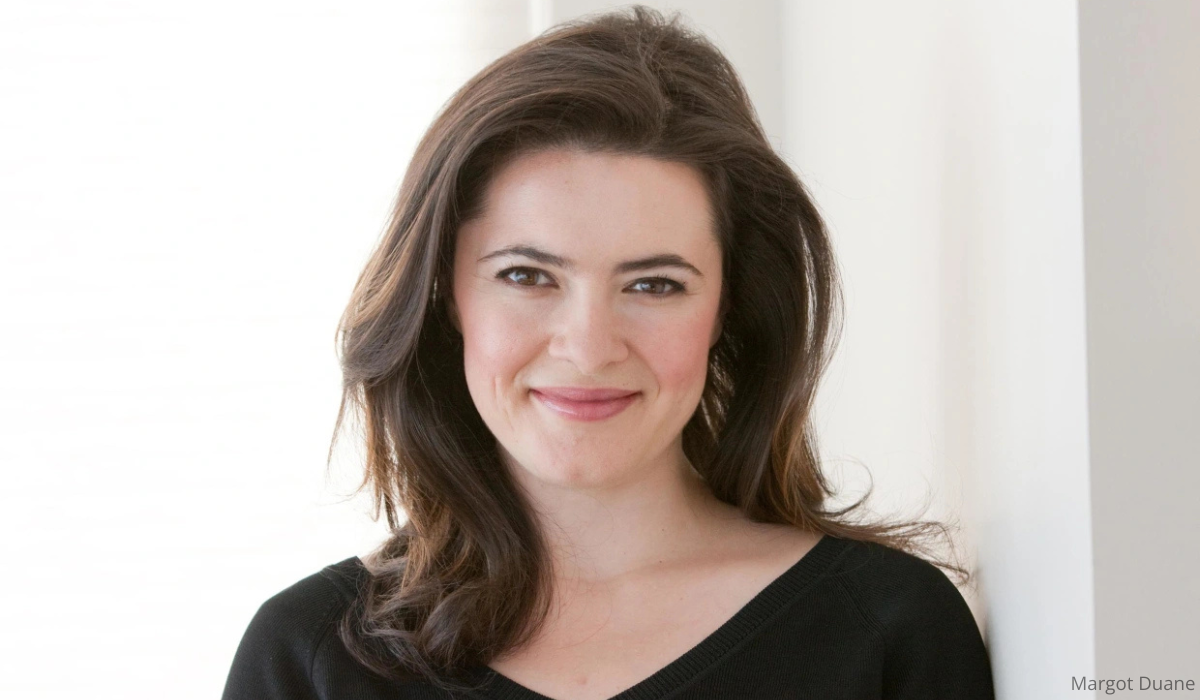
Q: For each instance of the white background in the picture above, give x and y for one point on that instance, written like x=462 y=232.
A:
x=189 y=192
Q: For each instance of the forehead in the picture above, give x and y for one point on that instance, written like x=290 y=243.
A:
x=595 y=202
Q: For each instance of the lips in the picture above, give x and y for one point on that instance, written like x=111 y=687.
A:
x=578 y=403
x=571 y=393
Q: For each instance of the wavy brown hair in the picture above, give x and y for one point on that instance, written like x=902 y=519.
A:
x=463 y=576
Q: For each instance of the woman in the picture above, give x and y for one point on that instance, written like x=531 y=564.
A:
x=585 y=354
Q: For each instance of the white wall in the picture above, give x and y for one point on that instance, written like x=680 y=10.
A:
x=942 y=141
x=189 y=191
x=1140 y=65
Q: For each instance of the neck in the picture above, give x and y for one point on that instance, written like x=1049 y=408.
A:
x=665 y=515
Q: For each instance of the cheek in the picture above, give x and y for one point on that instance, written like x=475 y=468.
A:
x=496 y=345
x=680 y=364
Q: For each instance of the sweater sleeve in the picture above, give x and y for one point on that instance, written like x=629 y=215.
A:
x=275 y=657
x=933 y=647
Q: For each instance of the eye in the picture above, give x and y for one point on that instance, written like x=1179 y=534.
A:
x=520 y=276
x=660 y=286
x=650 y=286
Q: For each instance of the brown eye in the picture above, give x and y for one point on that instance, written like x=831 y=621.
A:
x=660 y=286
x=520 y=276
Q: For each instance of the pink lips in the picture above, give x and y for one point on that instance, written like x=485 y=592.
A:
x=585 y=404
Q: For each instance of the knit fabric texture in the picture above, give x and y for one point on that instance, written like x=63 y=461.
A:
x=850 y=620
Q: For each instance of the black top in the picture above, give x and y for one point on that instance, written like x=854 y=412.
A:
x=850 y=620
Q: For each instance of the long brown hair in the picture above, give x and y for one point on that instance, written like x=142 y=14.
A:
x=464 y=577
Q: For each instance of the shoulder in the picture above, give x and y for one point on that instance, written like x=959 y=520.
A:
x=302 y=612
x=276 y=655
x=931 y=641
x=895 y=586
x=336 y=585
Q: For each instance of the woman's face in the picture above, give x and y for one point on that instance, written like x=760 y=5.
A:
x=588 y=271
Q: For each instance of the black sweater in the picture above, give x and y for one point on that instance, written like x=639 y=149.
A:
x=849 y=620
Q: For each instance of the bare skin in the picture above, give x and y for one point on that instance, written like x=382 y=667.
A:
x=605 y=635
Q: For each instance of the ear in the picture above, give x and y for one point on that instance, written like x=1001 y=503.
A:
x=452 y=312
x=717 y=329
x=451 y=308
x=719 y=326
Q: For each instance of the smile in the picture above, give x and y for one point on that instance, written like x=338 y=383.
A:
x=584 y=410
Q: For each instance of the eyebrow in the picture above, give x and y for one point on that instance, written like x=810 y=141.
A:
x=548 y=258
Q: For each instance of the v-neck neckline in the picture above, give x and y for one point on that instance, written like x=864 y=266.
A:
x=750 y=618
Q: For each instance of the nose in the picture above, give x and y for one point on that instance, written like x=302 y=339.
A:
x=588 y=333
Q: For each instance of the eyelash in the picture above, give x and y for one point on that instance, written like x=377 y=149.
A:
x=673 y=287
